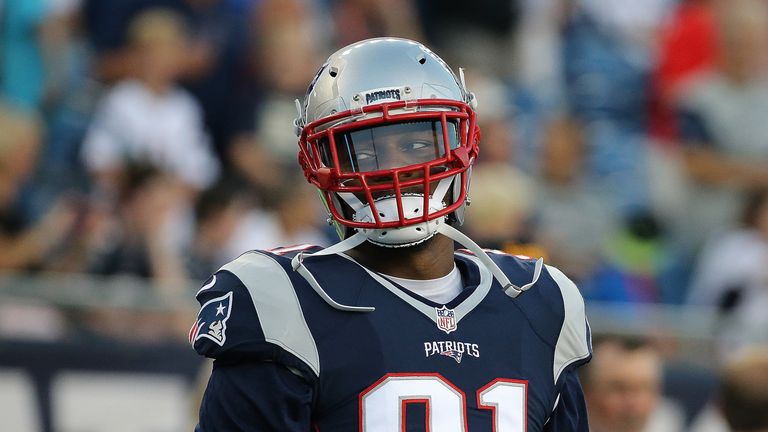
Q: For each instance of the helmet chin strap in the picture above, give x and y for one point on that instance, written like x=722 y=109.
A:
x=510 y=289
x=298 y=265
x=358 y=238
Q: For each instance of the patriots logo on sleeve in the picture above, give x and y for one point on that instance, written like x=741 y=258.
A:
x=212 y=320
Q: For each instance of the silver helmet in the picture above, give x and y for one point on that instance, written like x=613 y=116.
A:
x=387 y=133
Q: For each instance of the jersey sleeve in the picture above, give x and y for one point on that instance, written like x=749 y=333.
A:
x=573 y=346
x=250 y=311
x=570 y=413
x=255 y=396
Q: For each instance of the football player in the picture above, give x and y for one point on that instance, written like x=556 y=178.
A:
x=391 y=329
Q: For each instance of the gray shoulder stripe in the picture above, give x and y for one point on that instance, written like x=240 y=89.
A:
x=572 y=343
x=277 y=306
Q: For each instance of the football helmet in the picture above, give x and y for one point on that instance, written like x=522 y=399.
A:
x=388 y=134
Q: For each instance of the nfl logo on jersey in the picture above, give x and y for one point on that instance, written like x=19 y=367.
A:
x=446 y=319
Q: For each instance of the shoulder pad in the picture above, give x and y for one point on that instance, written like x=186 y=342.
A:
x=249 y=309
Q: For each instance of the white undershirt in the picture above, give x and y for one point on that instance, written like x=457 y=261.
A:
x=441 y=290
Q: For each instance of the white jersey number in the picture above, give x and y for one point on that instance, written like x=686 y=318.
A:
x=507 y=400
x=383 y=405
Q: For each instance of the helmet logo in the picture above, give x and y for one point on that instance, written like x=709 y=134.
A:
x=378 y=95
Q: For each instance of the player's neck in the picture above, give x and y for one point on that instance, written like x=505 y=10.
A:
x=430 y=260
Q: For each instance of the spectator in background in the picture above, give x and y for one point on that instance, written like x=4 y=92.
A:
x=687 y=46
x=149 y=120
x=219 y=211
x=286 y=48
x=25 y=27
x=538 y=46
x=219 y=71
x=723 y=123
x=743 y=396
x=130 y=243
x=135 y=244
x=228 y=223
x=70 y=98
x=501 y=194
x=214 y=65
x=626 y=26
x=731 y=275
x=290 y=218
x=25 y=244
x=607 y=57
x=638 y=263
x=622 y=387
x=571 y=221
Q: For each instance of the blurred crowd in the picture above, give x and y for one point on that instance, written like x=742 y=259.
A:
x=627 y=389
x=625 y=141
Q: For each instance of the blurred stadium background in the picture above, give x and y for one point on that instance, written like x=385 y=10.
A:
x=143 y=143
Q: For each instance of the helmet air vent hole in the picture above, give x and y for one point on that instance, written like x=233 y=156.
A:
x=381 y=214
x=418 y=229
x=383 y=233
x=422 y=59
x=415 y=210
x=333 y=72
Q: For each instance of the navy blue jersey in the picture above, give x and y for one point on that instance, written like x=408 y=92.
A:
x=285 y=360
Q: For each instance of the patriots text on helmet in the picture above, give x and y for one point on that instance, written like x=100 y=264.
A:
x=382 y=94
